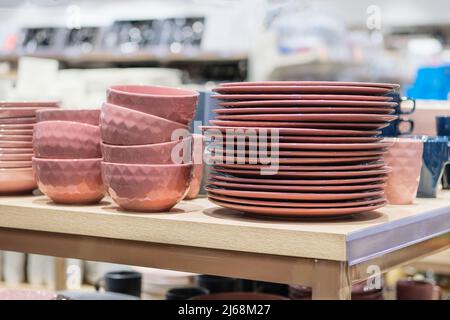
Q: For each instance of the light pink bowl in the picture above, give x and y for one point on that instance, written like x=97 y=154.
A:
x=405 y=159
x=158 y=153
x=67 y=181
x=197 y=172
x=66 y=140
x=146 y=188
x=89 y=116
x=122 y=126
x=19 y=180
x=175 y=104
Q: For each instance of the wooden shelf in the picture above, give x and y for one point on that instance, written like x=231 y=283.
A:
x=202 y=224
x=197 y=236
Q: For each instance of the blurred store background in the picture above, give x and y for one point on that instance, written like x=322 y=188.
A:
x=72 y=50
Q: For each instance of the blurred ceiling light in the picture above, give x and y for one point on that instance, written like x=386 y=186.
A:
x=424 y=46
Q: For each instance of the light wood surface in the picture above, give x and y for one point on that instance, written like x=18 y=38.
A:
x=199 y=223
x=439 y=263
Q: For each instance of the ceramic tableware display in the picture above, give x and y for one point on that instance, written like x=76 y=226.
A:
x=318 y=154
x=435 y=158
x=147 y=147
x=17 y=120
x=405 y=159
x=67 y=160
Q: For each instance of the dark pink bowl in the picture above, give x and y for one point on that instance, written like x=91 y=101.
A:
x=122 y=126
x=158 y=153
x=145 y=187
x=70 y=181
x=175 y=104
x=66 y=140
x=89 y=116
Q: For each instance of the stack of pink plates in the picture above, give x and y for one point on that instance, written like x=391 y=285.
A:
x=17 y=121
x=300 y=149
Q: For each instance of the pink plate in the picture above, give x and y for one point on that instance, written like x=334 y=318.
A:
x=18 y=121
x=296 y=182
x=16 y=132
x=311 y=103
x=295 y=195
x=15 y=164
x=299 y=204
x=308 y=146
x=306 y=174
x=288 y=131
x=330 y=154
x=16 y=150
x=17 y=180
x=294 y=160
x=327 y=110
x=304 y=125
x=329 y=139
x=13 y=127
x=14 y=138
x=288 y=188
x=18 y=112
x=298 y=212
x=303 y=89
x=325 y=117
x=260 y=97
x=16 y=144
x=29 y=104
x=312 y=83
x=15 y=157
x=352 y=167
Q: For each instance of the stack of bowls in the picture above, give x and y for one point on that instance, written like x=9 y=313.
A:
x=300 y=149
x=67 y=155
x=147 y=146
x=17 y=120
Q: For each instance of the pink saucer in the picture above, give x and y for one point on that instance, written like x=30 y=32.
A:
x=301 y=125
x=312 y=83
x=303 y=89
x=14 y=164
x=262 y=97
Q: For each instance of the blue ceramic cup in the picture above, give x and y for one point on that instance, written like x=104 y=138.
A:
x=395 y=127
x=435 y=158
x=443 y=125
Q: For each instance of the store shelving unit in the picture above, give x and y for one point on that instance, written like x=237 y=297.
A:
x=197 y=236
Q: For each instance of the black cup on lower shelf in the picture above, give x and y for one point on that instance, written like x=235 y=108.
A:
x=126 y=282
x=216 y=284
x=185 y=293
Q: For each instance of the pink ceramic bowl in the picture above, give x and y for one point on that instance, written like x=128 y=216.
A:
x=70 y=181
x=175 y=104
x=122 y=126
x=89 y=116
x=158 y=153
x=17 y=180
x=146 y=188
x=197 y=172
x=66 y=140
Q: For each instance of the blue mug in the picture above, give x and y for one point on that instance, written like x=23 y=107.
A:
x=443 y=126
x=435 y=157
x=394 y=128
